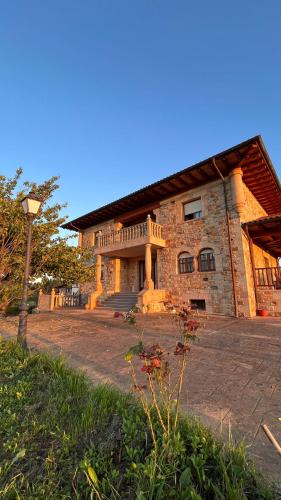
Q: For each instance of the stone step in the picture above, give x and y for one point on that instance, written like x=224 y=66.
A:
x=123 y=301
x=114 y=309
x=133 y=294
x=119 y=302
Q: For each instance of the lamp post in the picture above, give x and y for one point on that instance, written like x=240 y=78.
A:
x=30 y=204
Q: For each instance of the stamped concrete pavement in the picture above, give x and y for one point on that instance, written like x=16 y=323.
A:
x=233 y=379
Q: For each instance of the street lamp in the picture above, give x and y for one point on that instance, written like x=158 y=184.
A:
x=30 y=204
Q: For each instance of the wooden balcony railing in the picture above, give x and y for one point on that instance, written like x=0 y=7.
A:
x=268 y=277
x=145 y=230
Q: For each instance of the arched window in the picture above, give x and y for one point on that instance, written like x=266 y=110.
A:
x=206 y=260
x=185 y=263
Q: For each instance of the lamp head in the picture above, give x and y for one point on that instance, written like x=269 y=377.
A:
x=31 y=204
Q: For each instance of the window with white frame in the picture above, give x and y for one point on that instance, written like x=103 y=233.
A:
x=192 y=209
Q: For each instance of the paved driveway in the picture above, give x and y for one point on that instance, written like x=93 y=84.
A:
x=233 y=378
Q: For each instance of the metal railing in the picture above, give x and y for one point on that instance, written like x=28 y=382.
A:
x=127 y=234
x=268 y=277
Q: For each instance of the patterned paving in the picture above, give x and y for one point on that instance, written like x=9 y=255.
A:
x=233 y=380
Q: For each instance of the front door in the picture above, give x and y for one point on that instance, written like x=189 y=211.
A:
x=142 y=273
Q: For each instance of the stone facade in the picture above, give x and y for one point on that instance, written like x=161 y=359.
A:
x=227 y=290
x=192 y=236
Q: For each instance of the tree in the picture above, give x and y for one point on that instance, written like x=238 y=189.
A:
x=52 y=255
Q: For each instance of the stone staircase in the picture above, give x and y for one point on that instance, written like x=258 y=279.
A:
x=120 y=301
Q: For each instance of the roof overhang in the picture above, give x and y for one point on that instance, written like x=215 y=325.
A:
x=266 y=233
x=251 y=155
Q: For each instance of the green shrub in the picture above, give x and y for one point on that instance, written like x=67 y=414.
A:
x=63 y=438
x=13 y=308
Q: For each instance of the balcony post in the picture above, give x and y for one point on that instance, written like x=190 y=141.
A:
x=98 y=273
x=148 y=222
x=98 y=241
x=148 y=284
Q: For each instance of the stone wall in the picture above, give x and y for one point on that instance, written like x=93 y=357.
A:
x=253 y=210
x=192 y=236
x=263 y=258
x=270 y=300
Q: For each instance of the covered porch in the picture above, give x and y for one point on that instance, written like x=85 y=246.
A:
x=264 y=236
x=126 y=262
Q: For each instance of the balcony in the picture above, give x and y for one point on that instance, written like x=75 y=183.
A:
x=268 y=278
x=130 y=241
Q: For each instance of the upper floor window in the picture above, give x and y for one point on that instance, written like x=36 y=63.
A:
x=185 y=263
x=206 y=260
x=192 y=209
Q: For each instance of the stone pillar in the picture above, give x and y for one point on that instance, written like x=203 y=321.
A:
x=80 y=239
x=39 y=298
x=148 y=284
x=237 y=190
x=60 y=299
x=117 y=277
x=52 y=299
x=98 y=273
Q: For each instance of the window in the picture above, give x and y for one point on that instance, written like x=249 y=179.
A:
x=192 y=210
x=198 y=304
x=206 y=260
x=185 y=263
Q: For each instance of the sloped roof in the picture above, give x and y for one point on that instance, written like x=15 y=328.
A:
x=266 y=233
x=258 y=174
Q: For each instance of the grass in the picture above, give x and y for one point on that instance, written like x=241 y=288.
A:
x=62 y=438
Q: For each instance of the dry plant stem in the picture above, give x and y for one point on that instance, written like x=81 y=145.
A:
x=164 y=391
x=145 y=406
x=152 y=390
x=169 y=404
x=272 y=438
x=179 y=384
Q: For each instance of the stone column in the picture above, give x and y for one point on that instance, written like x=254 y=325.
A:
x=80 y=239
x=98 y=273
x=237 y=190
x=52 y=299
x=40 y=293
x=117 y=277
x=148 y=284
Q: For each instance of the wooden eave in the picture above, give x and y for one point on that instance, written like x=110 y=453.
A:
x=258 y=175
x=265 y=232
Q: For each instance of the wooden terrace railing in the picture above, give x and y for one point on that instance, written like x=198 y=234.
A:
x=268 y=277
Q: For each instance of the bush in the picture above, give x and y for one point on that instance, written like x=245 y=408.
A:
x=63 y=438
x=13 y=308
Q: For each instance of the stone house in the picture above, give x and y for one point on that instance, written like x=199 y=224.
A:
x=208 y=235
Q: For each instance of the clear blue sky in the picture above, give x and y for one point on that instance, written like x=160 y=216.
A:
x=113 y=95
